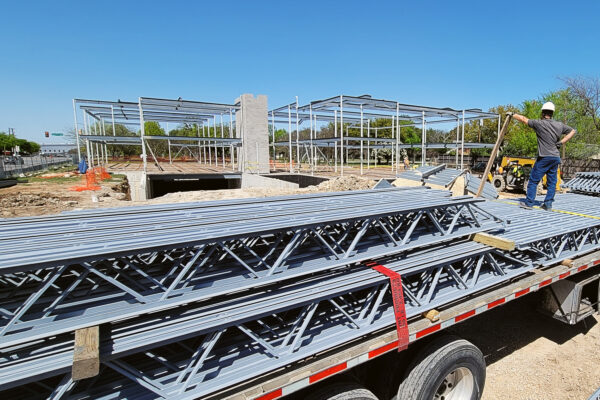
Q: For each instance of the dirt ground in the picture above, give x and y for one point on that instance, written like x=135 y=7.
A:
x=51 y=196
x=532 y=356
x=40 y=196
x=529 y=356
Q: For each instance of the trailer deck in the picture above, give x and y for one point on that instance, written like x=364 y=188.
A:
x=260 y=298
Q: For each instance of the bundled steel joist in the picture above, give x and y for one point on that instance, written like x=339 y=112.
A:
x=269 y=329
x=436 y=175
x=472 y=184
x=94 y=270
x=552 y=235
x=585 y=182
x=445 y=177
x=200 y=347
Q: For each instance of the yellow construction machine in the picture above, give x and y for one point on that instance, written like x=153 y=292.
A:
x=513 y=173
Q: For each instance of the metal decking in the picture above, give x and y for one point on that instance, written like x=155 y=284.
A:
x=585 y=182
x=197 y=297
x=472 y=183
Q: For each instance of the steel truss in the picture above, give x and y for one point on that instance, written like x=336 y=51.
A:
x=201 y=347
x=187 y=353
x=437 y=175
x=585 y=182
x=577 y=204
x=91 y=289
x=551 y=235
x=472 y=185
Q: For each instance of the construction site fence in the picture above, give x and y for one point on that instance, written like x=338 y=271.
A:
x=11 y=167
x=570 y=167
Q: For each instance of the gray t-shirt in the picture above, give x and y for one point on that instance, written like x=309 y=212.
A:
x=548 y=132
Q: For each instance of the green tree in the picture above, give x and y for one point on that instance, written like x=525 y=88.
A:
x=7 y=142
x=27 y=147
x=121 y=150
x=153 y=128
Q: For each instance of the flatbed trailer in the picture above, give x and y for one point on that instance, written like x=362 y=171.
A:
x=325 y=367
x=196 y=300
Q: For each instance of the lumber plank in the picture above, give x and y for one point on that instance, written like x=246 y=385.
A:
x=568 y=262
x=86 y=354
x=497 y=145
x=433 y=315
x=494 y=241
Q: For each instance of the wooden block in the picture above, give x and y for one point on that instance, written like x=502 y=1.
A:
x=86 y=355
x=567 y=263
x=432 y=315
x=494 y=241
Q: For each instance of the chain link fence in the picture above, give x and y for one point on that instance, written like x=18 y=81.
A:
x=11 y=167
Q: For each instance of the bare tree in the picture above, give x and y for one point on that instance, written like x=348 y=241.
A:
x=587 y=90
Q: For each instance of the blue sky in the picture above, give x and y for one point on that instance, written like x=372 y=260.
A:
x=453 y=54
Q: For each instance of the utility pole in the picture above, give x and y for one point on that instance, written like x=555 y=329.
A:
x=11 y=131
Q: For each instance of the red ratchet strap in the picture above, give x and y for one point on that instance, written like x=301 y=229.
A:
x=398 y=298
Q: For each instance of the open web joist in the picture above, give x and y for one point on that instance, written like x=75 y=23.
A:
x=436 y=175
x=80 y=269
x=585 y=182
x=200 y=347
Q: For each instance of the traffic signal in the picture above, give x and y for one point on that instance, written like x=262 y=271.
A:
x=47 y=134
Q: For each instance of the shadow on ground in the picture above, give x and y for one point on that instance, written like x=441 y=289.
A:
x=498 y=333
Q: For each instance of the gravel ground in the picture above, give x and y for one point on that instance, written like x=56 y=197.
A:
x=532 y=356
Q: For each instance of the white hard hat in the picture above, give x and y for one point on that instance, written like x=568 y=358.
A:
x=548 y=106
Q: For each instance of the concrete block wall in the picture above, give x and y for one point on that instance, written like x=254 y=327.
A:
x=252 y=125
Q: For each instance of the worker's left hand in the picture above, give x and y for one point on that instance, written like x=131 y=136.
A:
x=559 y=144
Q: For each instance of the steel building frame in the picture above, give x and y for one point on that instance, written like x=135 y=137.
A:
x=181 y=111
x=354 y=112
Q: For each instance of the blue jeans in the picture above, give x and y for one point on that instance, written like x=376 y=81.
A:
x=543 y=166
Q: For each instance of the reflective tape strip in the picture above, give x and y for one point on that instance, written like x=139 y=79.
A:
x=383 y=349
x=496 y=303
x=271 y=395
x=335 y=369
x=545 y=283
x=464 y=316
x=328 y=372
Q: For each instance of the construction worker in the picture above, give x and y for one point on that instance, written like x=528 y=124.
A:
x=549 y=133
x=403 y=155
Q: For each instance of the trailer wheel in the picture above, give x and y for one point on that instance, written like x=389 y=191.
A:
x=449 y=368
x=342 y=391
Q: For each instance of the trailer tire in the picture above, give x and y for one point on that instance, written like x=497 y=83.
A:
x=449 y=368
x=342 y=391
